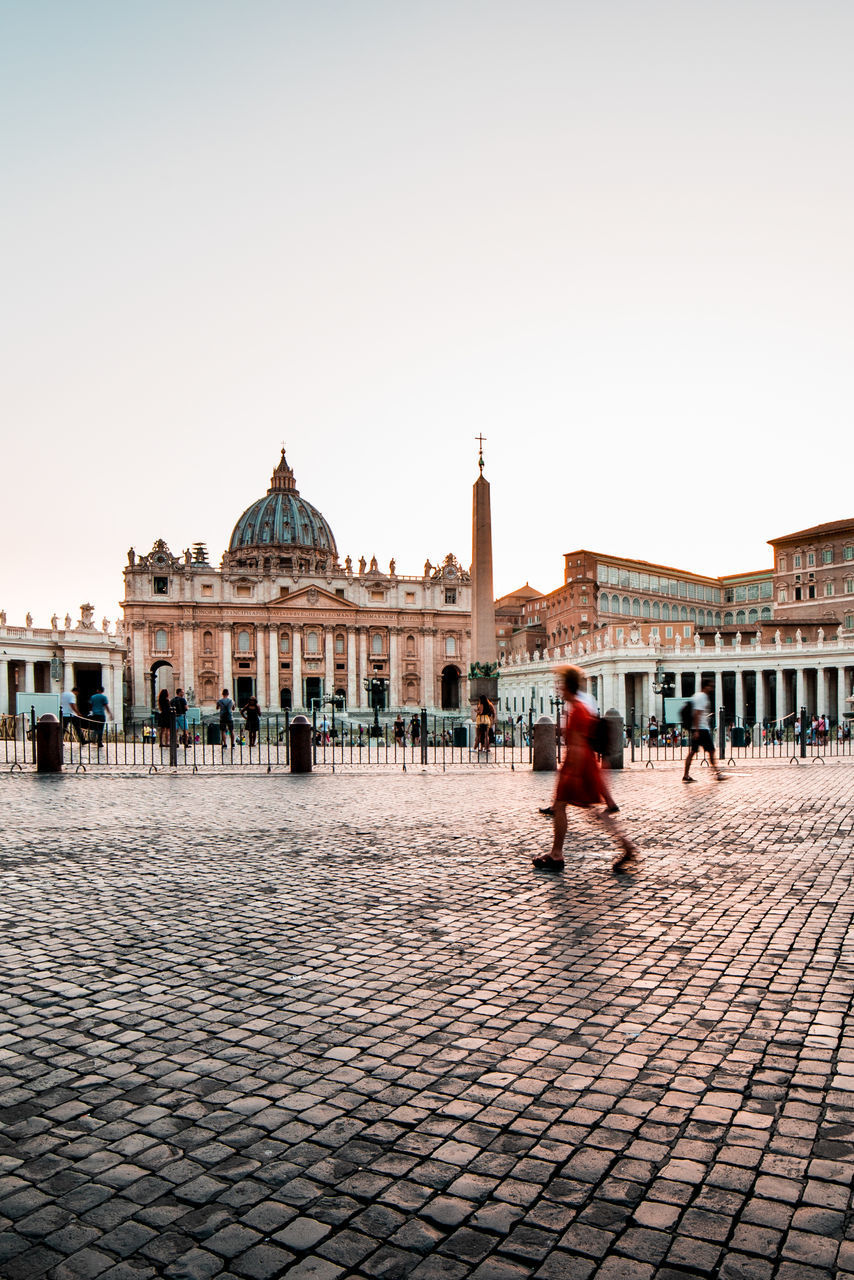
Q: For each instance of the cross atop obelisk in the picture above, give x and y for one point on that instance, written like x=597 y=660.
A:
x=480 y=440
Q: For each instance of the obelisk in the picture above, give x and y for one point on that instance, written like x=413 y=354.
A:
x=483 y=673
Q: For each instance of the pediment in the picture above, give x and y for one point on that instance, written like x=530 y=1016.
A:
x=313 y=597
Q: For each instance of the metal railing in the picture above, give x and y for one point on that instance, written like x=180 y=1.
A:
x=795 y=737
x=441 y=741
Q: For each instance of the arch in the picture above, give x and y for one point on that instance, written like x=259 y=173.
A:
x=683 y=614
x=604 y=603
x=727 y=619
x=450 y=688
x=207 y=642
x=692 y=615
x=753 y=616
x=286 y=700
x=159 y=677
x=718 y=618
x=665 y=612
x=410 y=646
x=244 y=642
x=766 y=614
x=647 y=612
x=740 y=618
x=615 y=604
x=284 y=642
x=656 y=611
x=341 y=697
x=627 y=605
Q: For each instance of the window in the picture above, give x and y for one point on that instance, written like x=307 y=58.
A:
x=244 y=642
x=161 y=643
x=799 y=593
x=656 y=609
x=410 y=597
x=849 y=621
x=848 y=553
x=647 y=611
x=811 y=593
x=781 y=564
x=753 y=591
x=339 y=644
x=810 y=559
x=782 y=595
x=740 y=595
x=766 y=590
x=161 y=586
x=605 y=604
x=796 y=561
x=828 y=588
x=207 y=588
x=653 y=633
x=686 y=633
x=450 y=646
x=450 y=595
x=312 y=642
x=827 y=555
x=849 y=586
x=339 y=591
x=376 y=643
x=243 y=592
x=284 y=642
x=377 y=595
x=665 y=612
x=668 y=633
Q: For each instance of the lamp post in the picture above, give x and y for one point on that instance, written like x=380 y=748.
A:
x=333 y=700
x=373 y=686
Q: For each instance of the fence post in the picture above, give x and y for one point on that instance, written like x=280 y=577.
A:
x=721 y=735
x=173 y=739
x=803 y=733
x=423 y=735
x=632 y=732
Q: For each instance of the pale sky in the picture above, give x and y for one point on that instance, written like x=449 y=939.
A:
x=614 y=236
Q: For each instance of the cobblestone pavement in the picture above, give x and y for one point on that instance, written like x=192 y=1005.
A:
x=337 y=1026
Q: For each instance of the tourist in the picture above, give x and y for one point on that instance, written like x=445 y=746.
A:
x=164 y=713
x=653 y=732
x=701 y=734
x=414 y=731
x=225 y=707
x=71 y=714
x=580 y=782
x=484 y=720
x=399 y=731
x=251 y=712
x=179 y=706
x=99 y=709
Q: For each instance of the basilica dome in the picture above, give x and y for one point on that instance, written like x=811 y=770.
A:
x=283 y=521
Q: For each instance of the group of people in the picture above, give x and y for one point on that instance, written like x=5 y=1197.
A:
x=400 y=730
x=75 y=722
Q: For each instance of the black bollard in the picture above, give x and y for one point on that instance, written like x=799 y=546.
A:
x=49 y=745
x=300 y=745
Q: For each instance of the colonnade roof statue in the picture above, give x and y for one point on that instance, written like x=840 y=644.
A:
x=283 y=519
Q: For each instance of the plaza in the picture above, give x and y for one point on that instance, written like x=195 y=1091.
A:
x=334 y=1026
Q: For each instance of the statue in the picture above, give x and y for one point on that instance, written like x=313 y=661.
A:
x=598 y=641
x=188 y=559
x=799 y=639
x=391 y=567
x=719 y=644
x=105 y=625
x=738 y=639
x=428 y=568
x=348 y=566
x=28 y=621
x=697 y=641
x=2 y=617
x=87 y=612
x=777 y=638
x=678 y=642
x=606 y=642
x=374 y=566
x=54 y=622
x=131 y=557
x=820 y=635
x=68 y=623
x=758 y=637
x=362 y=564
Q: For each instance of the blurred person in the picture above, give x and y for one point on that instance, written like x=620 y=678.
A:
x=579 y=782
x=701 y=734
x=70 y=714
x=484 y=720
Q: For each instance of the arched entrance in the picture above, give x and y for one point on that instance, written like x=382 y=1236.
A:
x=285 y=700
x=160 y=677
x=450 y=688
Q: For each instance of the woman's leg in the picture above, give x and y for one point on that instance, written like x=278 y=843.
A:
x=556 y=851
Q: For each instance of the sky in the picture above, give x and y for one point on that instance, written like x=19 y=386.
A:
x=614 y=238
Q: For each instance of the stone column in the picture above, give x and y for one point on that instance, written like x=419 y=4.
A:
x=189 y=672
x=841 y=694
x=780 y=679
x=67 y=675
x=352 y=683
x=328 y=662
x=394 y=668
x=140 y=688
x=227 y=674
x=739 y=696
x=428 y=674
x=260 y=667
x=29 y=677
x=363 y=666
x=116 y=695
x=719 y=694
x=4 y=686
x=296 y=667
x=275 y=697
x=760 y=696
x=799 y=690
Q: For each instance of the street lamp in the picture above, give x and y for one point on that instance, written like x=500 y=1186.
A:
x=333 y=700
x=373 y=686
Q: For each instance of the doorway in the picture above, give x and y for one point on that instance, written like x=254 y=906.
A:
x=87 y=680
x=244 y=689
x=313 y=692
x=451 y=688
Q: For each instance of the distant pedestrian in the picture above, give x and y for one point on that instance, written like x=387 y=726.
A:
x=164 y=717
x=399 y=731
x=99 y=709
x=415 y=731
x=70 y=713
x=252 y=716
x=179 y=706
x=579 y=782
x=484 y=720
x=653 y=731
x=225 y=707
x=701 y=734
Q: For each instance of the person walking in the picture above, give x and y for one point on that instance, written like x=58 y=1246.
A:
x=99 y=709
x=580 y=781
x=252 y=716
x=701 y=734
x=164 y=708
x=399 y=731
x=484 y=720
x=179 y=706
x=414 y=731
x=70 y=713
x=225 y=707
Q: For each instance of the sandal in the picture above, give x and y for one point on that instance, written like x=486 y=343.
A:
x=547 y=863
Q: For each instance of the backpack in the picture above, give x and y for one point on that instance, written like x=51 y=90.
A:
x=686 y=714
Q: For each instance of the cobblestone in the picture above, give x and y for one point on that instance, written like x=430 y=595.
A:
x=333 y=1027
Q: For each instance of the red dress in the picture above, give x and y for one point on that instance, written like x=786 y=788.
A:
x=579 y=780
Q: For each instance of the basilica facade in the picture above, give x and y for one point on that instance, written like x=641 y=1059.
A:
x=283 y=619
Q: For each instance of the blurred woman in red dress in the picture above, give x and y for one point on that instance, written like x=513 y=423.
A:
x=580 y=780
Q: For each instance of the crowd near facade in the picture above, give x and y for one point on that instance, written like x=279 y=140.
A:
x=284 y=620
x=771 y=641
